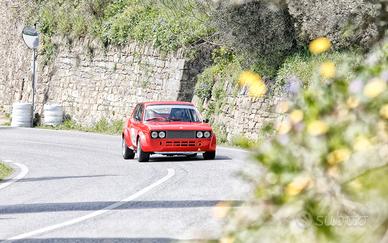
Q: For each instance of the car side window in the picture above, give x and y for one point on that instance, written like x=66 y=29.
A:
x=135 y=112
x=140 y=113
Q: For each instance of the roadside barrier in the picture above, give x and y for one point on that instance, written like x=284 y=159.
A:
x=53 y=115
x=21 y=115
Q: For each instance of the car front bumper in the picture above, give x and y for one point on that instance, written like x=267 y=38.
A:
x=179 y=145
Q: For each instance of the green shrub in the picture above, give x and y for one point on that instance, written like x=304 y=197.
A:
x=306 y=67
x=243 y=142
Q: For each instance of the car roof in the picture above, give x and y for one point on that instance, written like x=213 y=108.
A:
x=167 y=103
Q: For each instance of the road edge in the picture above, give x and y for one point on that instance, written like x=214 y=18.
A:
x=23 y=171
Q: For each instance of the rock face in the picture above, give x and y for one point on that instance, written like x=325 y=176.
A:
x=346 y=22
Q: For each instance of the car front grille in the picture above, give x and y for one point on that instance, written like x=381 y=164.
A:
x=180 y=144
x=181 y=134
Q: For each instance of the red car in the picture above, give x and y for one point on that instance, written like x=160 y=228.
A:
x=167 y=128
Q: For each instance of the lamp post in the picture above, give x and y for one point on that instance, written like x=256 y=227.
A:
x=31 y=38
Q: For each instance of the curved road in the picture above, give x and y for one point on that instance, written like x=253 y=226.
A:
x=79 y=189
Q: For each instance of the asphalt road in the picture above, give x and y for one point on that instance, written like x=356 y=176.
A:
x=75 y=187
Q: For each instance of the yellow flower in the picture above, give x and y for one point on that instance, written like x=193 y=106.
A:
x=327 y=70
x=374 y=88
x=352 y=102
x=257 y=89
x=282 y=107
x=256 y=86
x=338 y=156
x=221 y=210
x=296 y=116
x=384 y=111
x=284 y=127
x=298 y=185
x=247 y=78
x=320 y=45
x=317 y=128
x=361 y=143
x=227 y=239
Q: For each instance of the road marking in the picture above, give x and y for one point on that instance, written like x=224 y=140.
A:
x=23 y=173
x=170 y=174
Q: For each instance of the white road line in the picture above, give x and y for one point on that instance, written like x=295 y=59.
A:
x=170 y=174
x=23 y=172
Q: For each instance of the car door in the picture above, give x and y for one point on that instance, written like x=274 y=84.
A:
x=136 y=121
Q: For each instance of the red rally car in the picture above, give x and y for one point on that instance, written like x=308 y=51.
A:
x=167 y=128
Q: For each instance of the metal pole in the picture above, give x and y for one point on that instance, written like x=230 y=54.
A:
x=33 y=88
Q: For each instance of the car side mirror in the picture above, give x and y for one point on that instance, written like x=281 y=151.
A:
x=206 y=121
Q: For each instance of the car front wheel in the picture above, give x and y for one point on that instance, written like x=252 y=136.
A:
x=142 y=156
x=209 y=155
x=127 y=152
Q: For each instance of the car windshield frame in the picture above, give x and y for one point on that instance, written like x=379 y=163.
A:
x=189 y=113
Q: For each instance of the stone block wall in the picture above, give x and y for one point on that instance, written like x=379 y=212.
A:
x=93 y=83
x=242 y=115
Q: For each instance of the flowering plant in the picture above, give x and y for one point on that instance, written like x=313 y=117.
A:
x=323 y=168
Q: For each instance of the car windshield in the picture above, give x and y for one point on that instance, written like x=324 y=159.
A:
x=168 y=113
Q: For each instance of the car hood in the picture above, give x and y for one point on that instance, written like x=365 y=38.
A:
x=184 y=126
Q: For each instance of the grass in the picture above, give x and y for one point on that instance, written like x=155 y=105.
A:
x=102 y=126
x=243 y=142
x=5 y=171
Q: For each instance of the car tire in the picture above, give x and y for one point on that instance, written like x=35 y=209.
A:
x=209 y=155
x=142 y=156
x=191 y=156
x=127 y=152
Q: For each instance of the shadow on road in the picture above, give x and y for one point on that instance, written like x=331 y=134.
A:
x=105 y=240
x=94 y=206
x=172 y=159
x=58 y=178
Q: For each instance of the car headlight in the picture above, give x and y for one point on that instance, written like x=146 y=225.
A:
x=154 y=135
x=199 y=134
x=162 y=134
x=207 y=134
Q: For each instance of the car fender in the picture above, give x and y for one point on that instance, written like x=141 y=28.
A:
x=127 y=137
x=145 y=141
x=213 y=143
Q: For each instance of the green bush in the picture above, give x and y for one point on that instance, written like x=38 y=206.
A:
x=306 y=67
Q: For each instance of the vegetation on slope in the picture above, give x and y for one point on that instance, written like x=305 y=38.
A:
x=166 y=25
x=5 y=171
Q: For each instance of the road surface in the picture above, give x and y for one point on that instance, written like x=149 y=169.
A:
x=75 y=187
